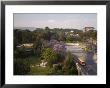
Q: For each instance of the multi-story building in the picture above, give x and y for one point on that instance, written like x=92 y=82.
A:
x=88 y=29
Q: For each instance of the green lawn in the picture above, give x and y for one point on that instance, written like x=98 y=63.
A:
x=39 y=70
x=34 y=60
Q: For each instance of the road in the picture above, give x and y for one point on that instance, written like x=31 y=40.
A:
x=91 y=66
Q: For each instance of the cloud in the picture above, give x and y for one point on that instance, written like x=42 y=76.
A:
x=51 y=21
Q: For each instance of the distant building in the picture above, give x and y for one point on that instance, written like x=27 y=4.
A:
x=88 y=29
x=27 y=45
x=72 y=31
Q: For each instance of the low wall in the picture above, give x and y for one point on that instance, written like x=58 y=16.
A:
x=70 y=44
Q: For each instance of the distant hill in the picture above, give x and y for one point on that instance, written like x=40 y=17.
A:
x=26 y=28
x=54 y=29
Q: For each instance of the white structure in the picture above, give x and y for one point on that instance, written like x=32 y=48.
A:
x=72 y=31
x=26 y=45
x=78 y=68
x=88 y=29
x=74 y=44
x=43 y=64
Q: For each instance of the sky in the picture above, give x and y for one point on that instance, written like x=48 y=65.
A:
x=55 y=20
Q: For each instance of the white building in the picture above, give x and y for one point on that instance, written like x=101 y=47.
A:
x=88 y=29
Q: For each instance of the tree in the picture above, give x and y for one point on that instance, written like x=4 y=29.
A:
x=17 y=36
x=15 y=43
x=37 y=46
x=53 y=42
x=69 y=38
x=47 y=33
x=50 y=55
x=47 y=28
x=20 y=53
x=40 y=34
x=90 y=34
x=54 y=35
x=21 y=67
x=23 y=36
x=69 y=67
x=60 y=48
x=68 y=60
x=62 y=36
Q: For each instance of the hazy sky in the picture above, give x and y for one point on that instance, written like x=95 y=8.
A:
x=60 y=20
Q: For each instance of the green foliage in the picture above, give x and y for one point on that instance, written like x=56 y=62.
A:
x=68 y=60
x=20 y=53
x=73 y=71
x=90 y=34
x=69 y=67
x=37 y=46
x=47 y=28
x=21 y=67
x=50 y=55
x=23 y=36
x=39 y=71
x=56 y=70
x=66 y=68
x=69 y=38
x=17 y=36
x=55 y=35
x=27 y=36
x=62 y=36
x=47 y=33
x=43 y=34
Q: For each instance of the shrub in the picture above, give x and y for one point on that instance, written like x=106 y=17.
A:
x=21 y=67
x=50 y=55
x=69 y=67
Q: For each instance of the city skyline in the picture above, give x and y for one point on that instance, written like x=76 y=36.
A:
x=55 y=20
